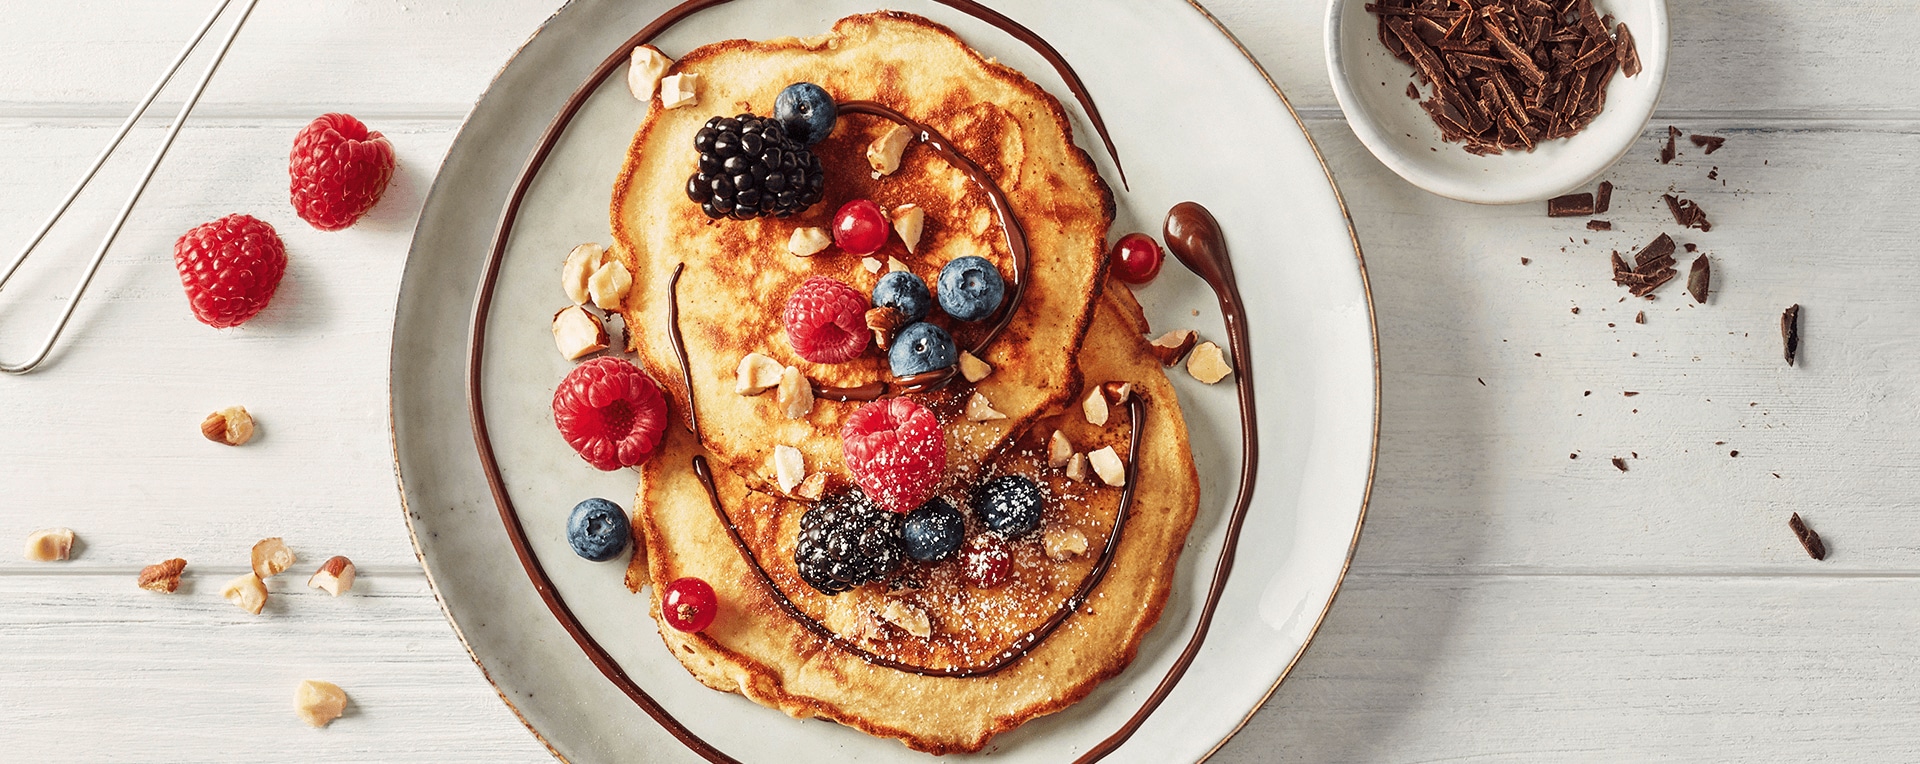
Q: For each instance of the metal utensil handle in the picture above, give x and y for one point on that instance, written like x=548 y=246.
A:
x=99 y=255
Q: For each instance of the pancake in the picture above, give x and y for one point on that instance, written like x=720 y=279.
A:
x=738 y=274
x=755 y=649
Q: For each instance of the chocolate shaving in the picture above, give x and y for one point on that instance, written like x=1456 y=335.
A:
x=1687 y=213
x=1603 y=198
x=1508 y=76
x=1620 y=464
x=1652 y=267
x=1709 y=142
x=1640 y=318
x=1697 y=279
x=1570 y=206
x=1629 y=58
x=1790 y=332
x=1667 y=152
x=1809 y=540
x=1413 y=91
x=1599 y=225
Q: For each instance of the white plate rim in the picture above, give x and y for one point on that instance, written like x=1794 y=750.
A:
x=1373 y=436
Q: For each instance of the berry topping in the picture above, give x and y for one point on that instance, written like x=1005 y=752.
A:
x=971 y=288
x=859 y=227
x=230 y=268
x=845 y=541
x=339 y=170
x=750 y=168
x=986 y=563
x=806 y=111
x=933 y=532
x=610 y=412
x=827 y=321
x=689 y=604
x=598 y=530
x=904 y=292
x=1009 y=505
x=921 y=348
x=1136 y=258
x=896 y=452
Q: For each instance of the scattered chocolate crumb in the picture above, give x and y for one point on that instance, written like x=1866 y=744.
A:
x=1775 y=475
x=1686 y=213
x=1652 y=267
x=1587 y=393
x=1636 y=454
x=1714 y=174
x=1734 y=454
x=1413 y=92
x=1525 y=260
x=1576 y=310
x=1609 y=324
x=1599 y=225
x=1666 y=152
x=1640 y=318
x=1692 y=247
x=1620 y=463
x=1630 y=393
x=1603 y=197
x=1809 y=540
x=1573 y=456
x=1698 y=278
x=1570 y=206
x=1719 y=442
x=1506 y=77
x=1483 y=383
x=1709 y=142
x=1790 y=332
x=1536 y=355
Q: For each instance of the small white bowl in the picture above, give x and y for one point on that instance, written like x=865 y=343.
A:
x=1404 y=137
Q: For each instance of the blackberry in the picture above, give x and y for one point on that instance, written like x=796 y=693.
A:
x=847 y=540
x=750 y=167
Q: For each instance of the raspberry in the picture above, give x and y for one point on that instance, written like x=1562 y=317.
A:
x=827 y=321
x=339 y=170
x=610 y=412
x=230 y=268
x=896 y=452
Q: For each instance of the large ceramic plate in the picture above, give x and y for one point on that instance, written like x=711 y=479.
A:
x=1193 y=118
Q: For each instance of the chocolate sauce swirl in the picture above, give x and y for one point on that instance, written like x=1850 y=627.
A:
x=1021 y=645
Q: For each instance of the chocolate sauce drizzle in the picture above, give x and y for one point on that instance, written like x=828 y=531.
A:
x=1025 y=643
x=1016 y=237
x=680 y=346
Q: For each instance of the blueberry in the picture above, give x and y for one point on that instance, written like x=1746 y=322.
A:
x=933 y=532
x=598 y=530
x=921 y=348
x=1009 y=505
x=904 y=292
x=971 y=288
x=806 y=112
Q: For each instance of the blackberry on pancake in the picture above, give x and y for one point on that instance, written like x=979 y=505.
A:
x=847 y=540
x=750 y=168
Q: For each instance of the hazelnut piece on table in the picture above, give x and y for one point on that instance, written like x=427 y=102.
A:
x=1171 y=347
x=232 y=426
x=271 y=557
x=319 y=703
x=49 y=544
x=1208 y=363
x=578 y=333
x=162 y=577
x=334 y=577
x=644 y=70
x=247 y=592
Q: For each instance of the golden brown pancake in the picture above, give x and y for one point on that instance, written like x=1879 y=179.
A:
x=738 y=274
x=754 y=648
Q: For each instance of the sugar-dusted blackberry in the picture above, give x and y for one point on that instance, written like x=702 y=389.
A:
x=847 y=540
x=749 y=167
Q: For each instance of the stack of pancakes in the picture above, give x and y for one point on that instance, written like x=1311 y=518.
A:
x=1070 y=334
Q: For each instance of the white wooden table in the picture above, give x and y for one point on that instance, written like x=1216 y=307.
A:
x=1507 y=602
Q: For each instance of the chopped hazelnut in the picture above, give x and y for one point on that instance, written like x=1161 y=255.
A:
x=644 y=70
x=814 y=487
x=1077 y=468
x=909 y=618
x=162 y=577
x=909 y=221
x=271 y=557
x=1117 y=392
x=232 y=426
x=580 y=265
x=757 y=374
x=246 y=591
x=1173 y=346
x=795 y=394
x=319 y=703
x=1064 y=543
x=578 y=333
x=884 y=154
x=1107 y=464
x=972 y=368
x=979 y=409
x=808 y=241
x=789 y=467
x=335 y=576
x=1095 y=407
x=894 y=264
x=49 y=544
x=1059 y=450
x=872 y=264
x=1207 y=363
x=609 y=285
x=680 y=90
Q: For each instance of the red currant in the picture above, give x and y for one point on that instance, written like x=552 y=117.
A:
x=1136 y=258
x=985 y=563
x=689 y=604
x=859 y=227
